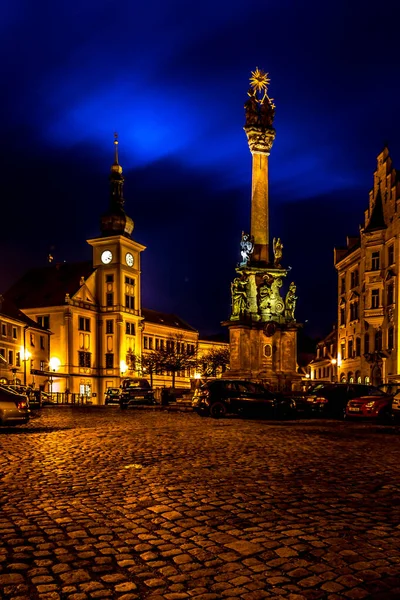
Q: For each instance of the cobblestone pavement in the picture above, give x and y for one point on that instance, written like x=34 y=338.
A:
x=145 y=504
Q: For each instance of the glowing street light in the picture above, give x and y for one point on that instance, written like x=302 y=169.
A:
x=54 y=364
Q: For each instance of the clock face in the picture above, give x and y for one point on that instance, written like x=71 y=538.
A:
x=106 y=257
x=129 y=259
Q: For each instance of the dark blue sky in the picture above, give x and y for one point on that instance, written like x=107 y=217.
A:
x=171 y=77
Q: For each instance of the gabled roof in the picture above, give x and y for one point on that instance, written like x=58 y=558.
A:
x=377 y=220
x=47 y=286
x=159 y=318
x=8 y=309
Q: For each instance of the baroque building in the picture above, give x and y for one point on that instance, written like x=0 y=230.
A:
x=93 y=310
x=368 y=286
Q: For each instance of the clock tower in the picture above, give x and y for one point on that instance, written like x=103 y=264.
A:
x=116 y=258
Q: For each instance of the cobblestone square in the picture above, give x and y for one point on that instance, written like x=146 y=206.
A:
x=162 y=505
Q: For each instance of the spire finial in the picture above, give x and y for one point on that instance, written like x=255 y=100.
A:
x=116 y=168
x=115 y=148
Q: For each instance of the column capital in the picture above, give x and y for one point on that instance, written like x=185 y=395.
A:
x=260 y=140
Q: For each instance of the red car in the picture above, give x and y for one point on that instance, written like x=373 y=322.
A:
x=377 y=405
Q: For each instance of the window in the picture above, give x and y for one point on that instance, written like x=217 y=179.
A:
x=84 y=324
x=145 y=344
x=343 y=316
x=109 y=360
x=44 y=321
x=109 y=326
x=130 y=328
x=343 y=285
x=109 y=278
x=157 y=344
x=354 y=281
x=375 y=262
x=42 y=365
x=18 y=359
x=32 y=339
x=3 y=329
x=14 y=333
x=390 y=293
x=42 y=342
x=150 y=343
x=2 y=352
x=378 y=340
x=343 y=350
x=366 y=343
x=350 y=348
x=129 y=280
x=390 y=255
x=130 y=301
x=358 y=346
x=161 y=344
x=84 y=359
x=10 y=357
x=375 y=299
x=390 y=338
x=110 y=299
x=353 y=311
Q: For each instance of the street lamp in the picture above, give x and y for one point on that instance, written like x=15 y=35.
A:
x=54 y=364
x=333 y=363
x=26 y=355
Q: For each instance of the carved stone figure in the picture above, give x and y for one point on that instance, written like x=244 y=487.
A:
x=247 y=247
x=239 y=296
x=267 y=113
x=277 y=304
x=277 y=248
x=264 y=295
x=251 y=109
x=290 y=301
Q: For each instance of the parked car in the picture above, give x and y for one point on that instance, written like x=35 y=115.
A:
x=14 y=407
x=218 y=397
x=112 y=395
x=136 y=391
x=395 y=410
x=376 y=405
x=330 y=399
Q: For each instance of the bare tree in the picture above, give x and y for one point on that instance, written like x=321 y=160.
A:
x=176 y=357
x=214 y=361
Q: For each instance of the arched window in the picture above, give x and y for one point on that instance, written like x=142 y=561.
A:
x=358 y=377
x=366 y=380
x=343 y=378
x=350 y=378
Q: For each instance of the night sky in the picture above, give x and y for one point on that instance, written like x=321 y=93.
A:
x=171 y=78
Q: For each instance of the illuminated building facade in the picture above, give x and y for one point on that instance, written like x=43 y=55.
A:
x=324 y=366
x=24 y=348
x=368 y=286
x=94 y=311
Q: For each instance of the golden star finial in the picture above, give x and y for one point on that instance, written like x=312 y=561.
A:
x=259 y=80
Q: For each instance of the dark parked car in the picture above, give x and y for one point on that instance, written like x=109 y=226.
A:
x=14 y=407
x=218 y=397
x=112 y=395
x=136 y=391
x=330 y=399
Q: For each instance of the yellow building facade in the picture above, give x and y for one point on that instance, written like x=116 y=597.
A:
x=368 y=287
x=24 y=348
x=93 y=310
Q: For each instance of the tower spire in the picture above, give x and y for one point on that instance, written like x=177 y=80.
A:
x=116 y=221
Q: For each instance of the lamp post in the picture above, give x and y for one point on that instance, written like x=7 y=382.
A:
x=54 y=364
x=26 y=355
x=333 y=363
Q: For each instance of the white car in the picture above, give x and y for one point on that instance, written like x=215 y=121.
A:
x=14 y=407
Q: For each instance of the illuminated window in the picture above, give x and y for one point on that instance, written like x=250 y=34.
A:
x=18 y=359
x=343 y=285
x=84 y=359
x=110 y=299
x=343 y=350
x=390 y=293
x=366 y=343
x=390 y=338
x=130 y=302
x=83 y=324
x=378 y=340
x=375 y=262
x=390 y=255
x=375 y=299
